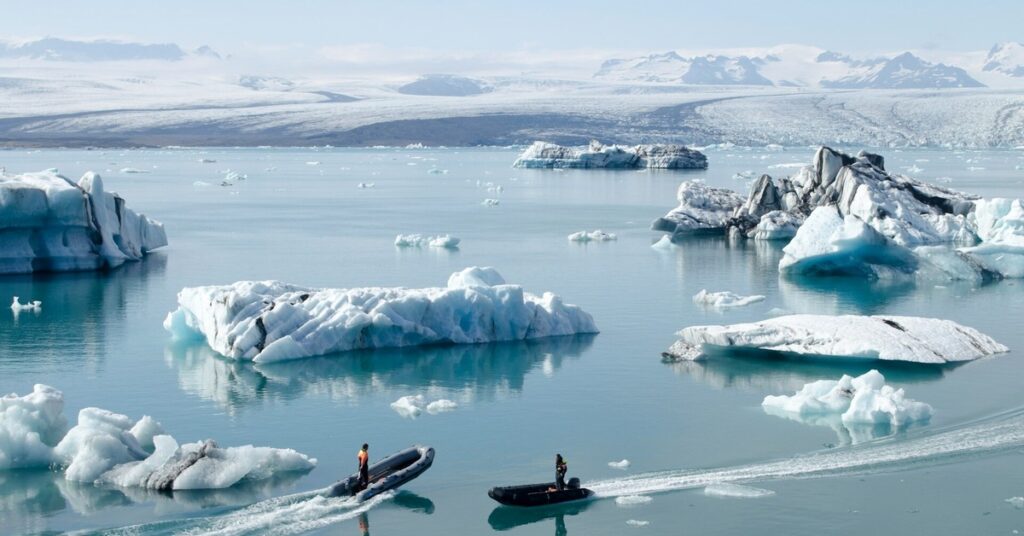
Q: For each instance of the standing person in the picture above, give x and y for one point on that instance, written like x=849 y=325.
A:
x=364 y=466
x=561 y=467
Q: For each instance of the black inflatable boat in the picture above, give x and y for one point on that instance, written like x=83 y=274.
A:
x=386 y=474
x=539 y=494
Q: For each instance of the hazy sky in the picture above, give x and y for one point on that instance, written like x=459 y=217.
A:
x=496 y=26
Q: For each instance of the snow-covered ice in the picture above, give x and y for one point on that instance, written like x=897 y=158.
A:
x=592 y=236
x=435 y=241
x=50 y=223
x=724 y=299
x=888 y=338
x=621 y=464
x=736 y=491
x=865 y=399
x=109 y=448
x=269 y=320
x=548 y=155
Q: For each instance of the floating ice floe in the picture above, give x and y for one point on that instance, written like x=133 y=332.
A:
x=865 y=399
x=111 y=449
x=724 y=299
x=207 y=161
x=1017 y=502
x=50 y=223
x=417 y=240
x=887 y=338
x=413 y=406
x=637 y=523
x=18 y=307
x=621 y=464
x=736 y=491
x=490 y=202
x=436 y=171
x=592 y=236
x=133 y=171
x=364 y=185
x=632 y=500
x=269 y=320
x=596 y=155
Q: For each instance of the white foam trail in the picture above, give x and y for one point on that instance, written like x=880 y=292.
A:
x=993 y=434
x=291 y=514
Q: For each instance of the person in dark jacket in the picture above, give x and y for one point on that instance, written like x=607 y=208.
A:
x=364 y=466
x=561 y=467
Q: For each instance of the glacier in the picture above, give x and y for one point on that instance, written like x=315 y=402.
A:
x=108 y=448
x=50 y=223
x=267 y=321
x=596 y=155
x=887 y=338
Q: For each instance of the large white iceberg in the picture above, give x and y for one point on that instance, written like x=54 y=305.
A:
x=269 y=321
x=110 y=448
x=50 y=223
x=887 y=338
x=597 y=155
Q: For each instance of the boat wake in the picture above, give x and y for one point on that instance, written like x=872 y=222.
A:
x=1001 y=432
x=291 y=514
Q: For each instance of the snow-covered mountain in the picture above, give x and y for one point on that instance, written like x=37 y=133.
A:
x=786 y=66
x=56 y=49
x=671 y=67
x=445 y=85
x=905 y=71
x=1006 y=58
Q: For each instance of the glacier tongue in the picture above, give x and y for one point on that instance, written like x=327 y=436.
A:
x=887 y=338
x=49 y=223
x=270 y=321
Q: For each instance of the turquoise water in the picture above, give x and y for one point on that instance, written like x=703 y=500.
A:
x=595 y=399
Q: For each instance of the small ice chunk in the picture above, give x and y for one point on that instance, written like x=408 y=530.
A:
x=592 y=236
x=132 y=171
x=663 y=244
x=441 y=406
x=726 y=489
x=621 y=464
x=410 y=406
x=637 y=523
x=1017 y=502
x=17 y=306
x=490 y=202
x=201 y=184
x=207 y=161
x=436 y=171
x=724 y=299
x=632 y=500
x=313 y=163
x=417 y=240
x=364 y=185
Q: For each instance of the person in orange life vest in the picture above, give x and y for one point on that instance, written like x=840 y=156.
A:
x=364 y=466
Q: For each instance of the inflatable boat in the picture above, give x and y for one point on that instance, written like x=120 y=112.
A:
x=539 y=494
x=387 y=474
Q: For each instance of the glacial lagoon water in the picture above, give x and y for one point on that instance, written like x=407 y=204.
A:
x=594 y=399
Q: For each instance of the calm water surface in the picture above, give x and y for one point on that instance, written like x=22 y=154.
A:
x=594 y=399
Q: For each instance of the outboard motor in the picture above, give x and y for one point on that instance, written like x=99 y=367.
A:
x=574 y=483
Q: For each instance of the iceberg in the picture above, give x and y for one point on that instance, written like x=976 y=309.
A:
x=724 y=299
x=887 y=338
x=621 y=464
x=267 y=321
x=417 y=240
x=702 y=210
x=593 y=236
x=111 y=449
x=865 y=399
x=50 y=223
x=597 y=155
x=34 y=305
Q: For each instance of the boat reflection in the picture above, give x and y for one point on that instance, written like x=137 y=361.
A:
x=403 y=499
x=509 y=517
x=483 y=370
